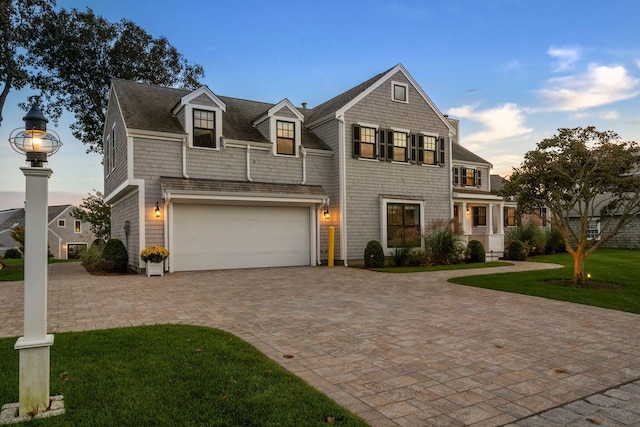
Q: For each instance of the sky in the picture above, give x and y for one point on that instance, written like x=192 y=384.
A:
x=512 y=71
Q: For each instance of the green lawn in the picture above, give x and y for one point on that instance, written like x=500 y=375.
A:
x=14 y=268
x=441 y=267
x=171 y=375
x=614 y=266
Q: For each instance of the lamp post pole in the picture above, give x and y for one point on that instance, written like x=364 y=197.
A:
x=37 y=143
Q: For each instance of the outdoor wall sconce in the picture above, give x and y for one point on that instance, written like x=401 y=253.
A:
x=325 y=214
x=156 y=210
x=467 y=211
x=34 y=140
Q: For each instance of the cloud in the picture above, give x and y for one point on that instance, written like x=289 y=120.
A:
x=638 y=63
x=513 y=64
x=605 y=115
x=599 y=85
x=503 y=121
x=565 y=57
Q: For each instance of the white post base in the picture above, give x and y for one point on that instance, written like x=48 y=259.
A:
x=34 y=375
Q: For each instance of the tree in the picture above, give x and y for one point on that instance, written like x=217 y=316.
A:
x=76 y=54
x=18 y=22
x=585 y=174
x=97 y=213
x=17 y=234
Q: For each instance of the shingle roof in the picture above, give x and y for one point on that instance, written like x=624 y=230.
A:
x=148 y=107
x=18 y=216
x=461 y=154
x=222 y=186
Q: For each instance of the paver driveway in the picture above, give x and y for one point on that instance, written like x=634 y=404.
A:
x=397 y=349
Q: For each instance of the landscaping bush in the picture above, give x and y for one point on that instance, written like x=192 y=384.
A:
x=529 y=233
x=12 y=253
x=374 y=255
x=444 y=243
x=555 y=242
x=416 y=258
x=91 y=259
x=475 y=252
x=114 y=257
x=400 y=256
x=517 y=251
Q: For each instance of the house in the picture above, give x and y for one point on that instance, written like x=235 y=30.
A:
x=66 y=235
x=224 y=182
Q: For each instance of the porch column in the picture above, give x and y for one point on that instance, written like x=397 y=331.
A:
x=490 y=218
x=500 y=218
x=464 y=218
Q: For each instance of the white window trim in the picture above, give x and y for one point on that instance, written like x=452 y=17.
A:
x=406 y=89
x=217 y=134
x=368 y=125
x=63 y=222
x=383 y=220
x=596 y=227
x=273 y=134
x=77 y=221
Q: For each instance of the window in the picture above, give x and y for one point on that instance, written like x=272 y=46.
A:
x=113 y=147
x=62 y=223
x=77 y=227
x=469 y=177
x=286 y=136
x=403 y=225
x=399 y=92
x=364 y=142
x=542 y=214
x=74 y=249
x=204 y=128
x=430 y=146
x=593 y=230
x=509 y=216
x=399 y=146
x=479 y=216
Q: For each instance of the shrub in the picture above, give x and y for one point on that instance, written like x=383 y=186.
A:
x=114 y=257
x=98 y=242
x=374 y=255
x=400 y=256
x=444 y=243
x=475 y=252
x=12 y=253
x=416 y=258
x=92 y=259
x=517 y=251
x=555 y=242
x=529 y=233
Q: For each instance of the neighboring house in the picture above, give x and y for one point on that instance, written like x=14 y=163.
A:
x=232 y=183
x=66 y=235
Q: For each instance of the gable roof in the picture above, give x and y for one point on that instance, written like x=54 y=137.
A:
x=461 y=154
x=18 y=216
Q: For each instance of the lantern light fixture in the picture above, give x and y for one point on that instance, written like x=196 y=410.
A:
x=34 y=139
x=157 y=210
x=325 y=214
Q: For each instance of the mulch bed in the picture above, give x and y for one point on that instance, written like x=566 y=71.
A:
x=589 y=284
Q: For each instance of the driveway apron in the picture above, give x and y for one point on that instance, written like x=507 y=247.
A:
x=396 y=349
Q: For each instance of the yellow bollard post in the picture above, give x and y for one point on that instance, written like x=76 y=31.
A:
x=331 y=243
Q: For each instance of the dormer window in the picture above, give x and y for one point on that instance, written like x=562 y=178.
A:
x=285 y=138
x=204 y=128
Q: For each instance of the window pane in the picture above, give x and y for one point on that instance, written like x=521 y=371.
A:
x=403 y=225
x=203 y=138
x=285 y=146
x=399 y=93
x=430 y=143
x=367 y=150
x=399 y=154
x=399 y=139
x=429 y=157
x=368 y=135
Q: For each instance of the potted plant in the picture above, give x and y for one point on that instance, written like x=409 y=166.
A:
x=154 y=256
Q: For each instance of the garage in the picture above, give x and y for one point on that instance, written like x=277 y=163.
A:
x=223 y=236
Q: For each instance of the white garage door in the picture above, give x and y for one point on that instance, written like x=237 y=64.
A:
x=208 y=237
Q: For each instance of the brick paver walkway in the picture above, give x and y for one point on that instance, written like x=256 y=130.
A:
x=397 y=349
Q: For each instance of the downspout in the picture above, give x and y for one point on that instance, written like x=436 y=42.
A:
x=304 y=165
x=249 y=163
x=342 y=184
x=184 y=157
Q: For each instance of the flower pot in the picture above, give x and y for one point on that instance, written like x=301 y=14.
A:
x=155 y=269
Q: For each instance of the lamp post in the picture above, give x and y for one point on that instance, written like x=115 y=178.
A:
x=37 y=143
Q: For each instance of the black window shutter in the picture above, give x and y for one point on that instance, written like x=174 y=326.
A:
x=420 y=149
x=382 y=153
x=479 y=178
x=390 y=145
x=414 y=154
x=356 y=141
x=442 y=162
x=456 y=176
x=463 y=176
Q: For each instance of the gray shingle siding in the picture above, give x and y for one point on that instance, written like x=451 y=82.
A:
x=285 y=112
x=113 y=178
x=121 y=211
